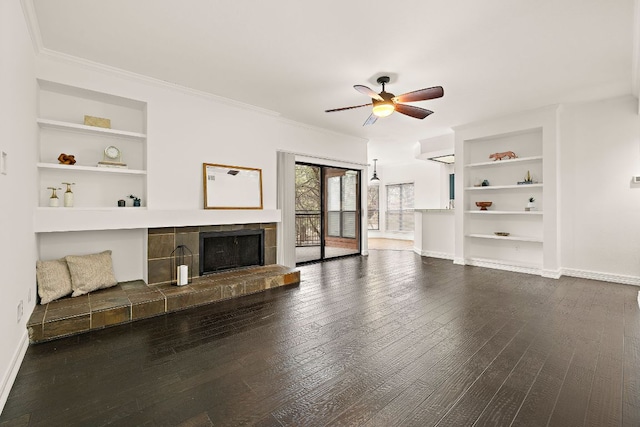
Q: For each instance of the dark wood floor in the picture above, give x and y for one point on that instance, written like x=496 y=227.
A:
x=392 y=339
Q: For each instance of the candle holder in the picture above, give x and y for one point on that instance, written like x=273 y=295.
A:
x=183 y=271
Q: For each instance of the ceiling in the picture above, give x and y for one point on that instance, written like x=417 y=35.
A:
x=299 y=58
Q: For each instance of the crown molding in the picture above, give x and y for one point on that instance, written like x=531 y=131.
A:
x=30 y=17
x=43 y=52
x=140 y=78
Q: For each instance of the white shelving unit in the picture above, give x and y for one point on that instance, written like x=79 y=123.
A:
x=487 y=212
x=510 y=237
x=522 y=250
x=504 y=162
x=504 y=187
x=62 y=130
x=55 y=124
x=96 y=169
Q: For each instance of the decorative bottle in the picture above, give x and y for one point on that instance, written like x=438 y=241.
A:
x=54 y=202
x=68 y=195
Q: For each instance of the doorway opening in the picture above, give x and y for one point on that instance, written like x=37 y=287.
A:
x=327 y=212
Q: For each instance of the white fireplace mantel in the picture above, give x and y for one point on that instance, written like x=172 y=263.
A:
x=47 y=220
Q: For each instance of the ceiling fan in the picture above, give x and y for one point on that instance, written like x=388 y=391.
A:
x=385 y=103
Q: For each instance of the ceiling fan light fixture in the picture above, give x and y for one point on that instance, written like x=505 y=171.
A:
x=383 y=108
x=385 y=103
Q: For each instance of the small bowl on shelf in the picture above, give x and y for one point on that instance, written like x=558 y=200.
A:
x=501 y=233
x=483 y=205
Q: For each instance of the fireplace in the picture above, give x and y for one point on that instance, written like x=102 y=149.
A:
x=162 y=242
x=227 y=250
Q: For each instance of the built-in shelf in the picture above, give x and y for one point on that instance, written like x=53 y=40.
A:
x=48 y=220
x=504 y=162
x=434 y=210
x=510 y=237
x=75 y=127
x=93 y=209
x=504 y=212
x=503 y=187
x=510 y=265
x=75 y=168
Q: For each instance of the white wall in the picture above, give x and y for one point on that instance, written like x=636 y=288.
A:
x=599 y=206
x=435 y=233
x=184 y=130
x=545 y=121
x=17 y=189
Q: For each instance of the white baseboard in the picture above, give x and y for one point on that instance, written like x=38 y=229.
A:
x=604 y=277
x=459 y=261
x=432 y=254
x=12 y=372
x=551 y=274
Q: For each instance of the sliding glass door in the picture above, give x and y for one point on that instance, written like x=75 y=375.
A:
x=327 y=212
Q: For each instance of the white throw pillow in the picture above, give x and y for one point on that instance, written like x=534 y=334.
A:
x=54 y=280
x=91 y=272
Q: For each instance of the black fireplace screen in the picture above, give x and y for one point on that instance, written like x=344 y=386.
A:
x=226 y=250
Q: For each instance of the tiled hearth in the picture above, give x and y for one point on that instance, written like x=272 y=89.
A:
x=136 y=300
x=162 y=241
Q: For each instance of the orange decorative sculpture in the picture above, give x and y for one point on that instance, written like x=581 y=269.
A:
x=500 y=156
x=67 y=159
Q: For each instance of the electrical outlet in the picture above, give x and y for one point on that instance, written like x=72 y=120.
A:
x=19 y=311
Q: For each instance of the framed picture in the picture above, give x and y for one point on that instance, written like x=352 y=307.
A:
x=231 y=187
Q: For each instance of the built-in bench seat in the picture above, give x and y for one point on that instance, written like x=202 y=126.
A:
x=129 y=301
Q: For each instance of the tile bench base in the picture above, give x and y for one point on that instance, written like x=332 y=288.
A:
x=130 y=301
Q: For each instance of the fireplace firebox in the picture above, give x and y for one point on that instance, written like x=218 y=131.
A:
x=227 y=250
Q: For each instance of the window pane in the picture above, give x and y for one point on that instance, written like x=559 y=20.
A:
x=407 y=196
x=333 y=193
x=307 y=188
x=373 y=205
x=349 y=224
x=349 y=191
x=393 y=220
x=333 y=224
x=400 y=199
x=393 y=197
x=408 y=219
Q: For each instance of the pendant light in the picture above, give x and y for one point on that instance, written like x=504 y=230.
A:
x=374 y=179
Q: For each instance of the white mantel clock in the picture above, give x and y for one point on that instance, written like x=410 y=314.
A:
x=112 y=154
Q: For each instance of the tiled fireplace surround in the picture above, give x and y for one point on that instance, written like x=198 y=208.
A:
x=130 y=301
x=162 y=241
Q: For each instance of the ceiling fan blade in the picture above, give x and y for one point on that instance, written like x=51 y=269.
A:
x=410 y=110
x=421 y=95
x=371 y=120
x=347 y=108
x=369 y=92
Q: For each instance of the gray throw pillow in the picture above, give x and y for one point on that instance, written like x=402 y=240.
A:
x=91 y=272
x=54 y=280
